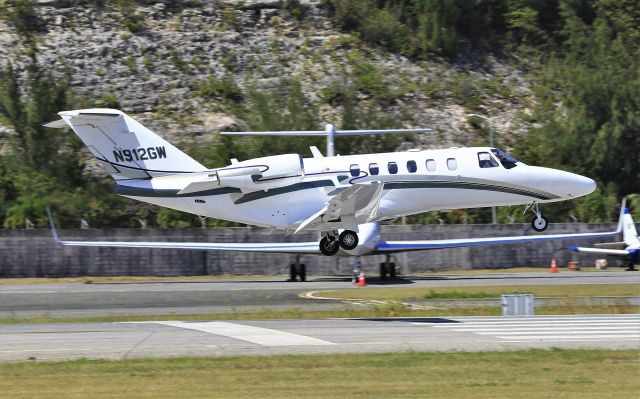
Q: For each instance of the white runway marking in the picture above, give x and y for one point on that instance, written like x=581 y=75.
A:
x=569 y=328
x=256 y=335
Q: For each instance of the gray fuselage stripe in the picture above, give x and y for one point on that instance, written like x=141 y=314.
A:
x=258 y=195
x=470 y=186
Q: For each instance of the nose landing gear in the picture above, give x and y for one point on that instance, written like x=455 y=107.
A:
x=539 y=223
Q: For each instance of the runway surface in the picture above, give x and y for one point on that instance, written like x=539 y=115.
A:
x=237 y=295
x=201 y=338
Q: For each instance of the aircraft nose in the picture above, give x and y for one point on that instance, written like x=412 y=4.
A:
x=583 y=185
x=573 y=185
x=563 y=184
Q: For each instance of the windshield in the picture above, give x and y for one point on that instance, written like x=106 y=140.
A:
x=507 y=160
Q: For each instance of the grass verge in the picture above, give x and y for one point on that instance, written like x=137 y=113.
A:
x=538 y=374
x=130 y=279
x=417 y=294
x=133 y=279
x=391 y=309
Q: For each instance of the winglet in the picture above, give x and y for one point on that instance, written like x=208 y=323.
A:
x=623 y=210
x=53 y=226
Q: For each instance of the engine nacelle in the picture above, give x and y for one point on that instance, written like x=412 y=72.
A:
x=263 y=173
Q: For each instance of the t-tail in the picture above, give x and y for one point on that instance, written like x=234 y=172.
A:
x=124 y=147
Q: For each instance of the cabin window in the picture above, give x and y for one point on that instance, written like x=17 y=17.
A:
x=485 y=160
x=374 y=169
x=452 y=164
x=431 y=165
x=412 y=167
x=393 y=168
x=355 y=170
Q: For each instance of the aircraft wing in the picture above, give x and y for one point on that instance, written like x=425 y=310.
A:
x=276 y=248
x=601 y=251
x=401 y=246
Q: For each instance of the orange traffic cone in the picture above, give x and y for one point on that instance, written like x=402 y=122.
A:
x=571 y=265
x=554 y=267
x=361 y=281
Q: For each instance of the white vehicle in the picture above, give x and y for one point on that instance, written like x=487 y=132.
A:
x=342 y=197
x=628 y=249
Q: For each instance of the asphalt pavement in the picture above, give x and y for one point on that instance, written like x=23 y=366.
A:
x=215 y=338
x=241 y=294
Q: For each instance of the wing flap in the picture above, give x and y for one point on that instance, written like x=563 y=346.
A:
x=355 y=204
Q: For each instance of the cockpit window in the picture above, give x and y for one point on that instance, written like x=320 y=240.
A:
x=485 y=160
x=507 y=160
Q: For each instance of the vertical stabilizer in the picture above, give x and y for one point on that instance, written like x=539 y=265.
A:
x=124 y=147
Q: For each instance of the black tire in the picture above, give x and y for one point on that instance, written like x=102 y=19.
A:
x=391 y=266
x=348 y=239
x=292 y=272
x=383 y=271
x=302 y=272
x=329 y=247
x=539 y=224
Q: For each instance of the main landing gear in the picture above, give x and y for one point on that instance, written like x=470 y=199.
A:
x=539 y=223
x=332 y=242
x=387 y=268
x=297 y=269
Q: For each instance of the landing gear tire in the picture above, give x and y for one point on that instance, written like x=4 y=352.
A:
x=328 y=246
x=348 y=239
x=302 y=272
x=539 y=224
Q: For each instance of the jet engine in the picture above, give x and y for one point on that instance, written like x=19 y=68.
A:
x=263 y=173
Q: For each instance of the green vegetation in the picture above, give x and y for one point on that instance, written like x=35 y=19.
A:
x=408 y=294
x=42 y=167
x=534 y=373
x=21 y=14
x=454 y=294
x=389 y=307
x=582 y=57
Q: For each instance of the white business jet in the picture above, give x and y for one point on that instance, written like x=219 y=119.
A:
x=342 y=197
x=628 y=249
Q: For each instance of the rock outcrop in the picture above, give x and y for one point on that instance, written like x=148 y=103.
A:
x=149 y=59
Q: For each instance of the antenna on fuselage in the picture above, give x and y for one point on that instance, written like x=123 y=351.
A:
x=330 y=132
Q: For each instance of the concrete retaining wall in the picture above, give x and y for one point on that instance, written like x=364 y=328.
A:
x=33 y=253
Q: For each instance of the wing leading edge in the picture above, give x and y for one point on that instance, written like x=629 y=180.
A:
x=279 y=248
x=419 y=245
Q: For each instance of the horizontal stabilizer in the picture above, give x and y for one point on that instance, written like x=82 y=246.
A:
x=611 y=245
x=325 y=132
x=600 y=251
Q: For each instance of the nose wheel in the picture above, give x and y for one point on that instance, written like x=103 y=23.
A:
x=539 y=223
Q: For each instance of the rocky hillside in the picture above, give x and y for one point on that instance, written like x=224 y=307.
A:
x=150 y=58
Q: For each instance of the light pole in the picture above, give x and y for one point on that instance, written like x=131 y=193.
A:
x=493 y=208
